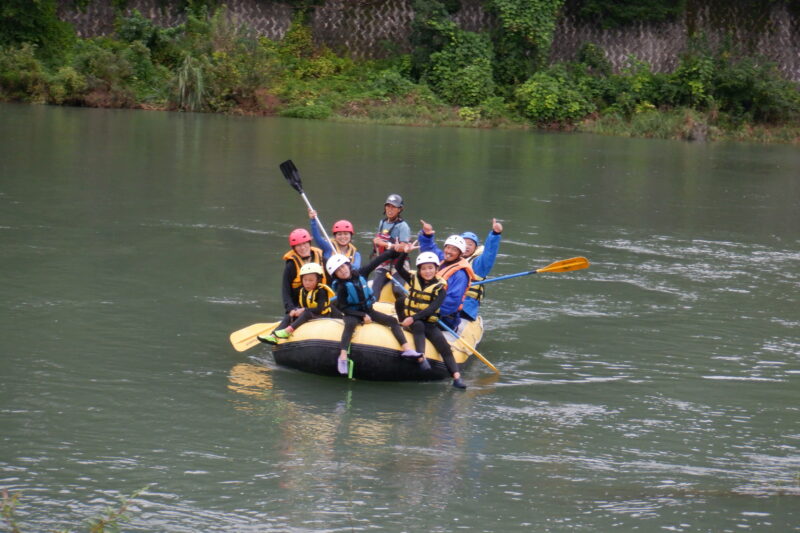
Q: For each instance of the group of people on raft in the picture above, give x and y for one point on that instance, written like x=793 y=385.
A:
x=440 y=289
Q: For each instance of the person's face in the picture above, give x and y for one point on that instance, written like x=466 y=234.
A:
x=451 y=253
x=391 y=211
x=471 y=245
x=303 y=250
x=343 y=272
x=343 y=237
x=310 y=281
x=427 y=271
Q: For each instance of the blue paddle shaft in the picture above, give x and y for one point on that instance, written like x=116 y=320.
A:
x=483 y=282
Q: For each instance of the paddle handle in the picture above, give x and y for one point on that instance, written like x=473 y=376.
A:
x=325 y=233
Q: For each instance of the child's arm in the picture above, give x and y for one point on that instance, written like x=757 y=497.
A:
x=367 y=269
x=401 y=268
x=321 y=241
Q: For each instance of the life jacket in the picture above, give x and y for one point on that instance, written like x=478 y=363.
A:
x=475 y=291
x=349 y=250
x=315 y=257
x=419 y=298
x=359 y=293
x=384 y=233
x=308 y=299
x=462 y=264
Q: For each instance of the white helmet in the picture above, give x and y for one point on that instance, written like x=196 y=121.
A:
x=457 y=241
x=335 y=261
x=427 y=257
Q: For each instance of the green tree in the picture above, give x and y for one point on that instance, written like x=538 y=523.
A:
x=35 y=22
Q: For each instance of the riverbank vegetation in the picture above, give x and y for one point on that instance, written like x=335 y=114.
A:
x=502 y=78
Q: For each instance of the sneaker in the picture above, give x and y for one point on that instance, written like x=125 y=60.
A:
x=424 y=365
x=269 y=339
x=411 y=354
x=281 y=333
x=341 y=365
x=459 y=383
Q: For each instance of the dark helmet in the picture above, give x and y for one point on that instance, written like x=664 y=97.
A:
x=395 y=200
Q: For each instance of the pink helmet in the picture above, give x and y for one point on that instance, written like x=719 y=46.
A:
x=299 y=236
x=343 y=225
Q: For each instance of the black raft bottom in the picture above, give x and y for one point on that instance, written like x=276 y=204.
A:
x=373 y=363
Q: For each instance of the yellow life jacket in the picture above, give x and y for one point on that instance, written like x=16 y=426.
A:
x=475 y=291
x=308 y=299
x=349 y=250
x=418 y=299
x=315 y=257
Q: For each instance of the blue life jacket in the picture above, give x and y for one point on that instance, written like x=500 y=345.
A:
x=359 y=295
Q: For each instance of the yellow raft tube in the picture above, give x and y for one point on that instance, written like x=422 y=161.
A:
x=314 y=347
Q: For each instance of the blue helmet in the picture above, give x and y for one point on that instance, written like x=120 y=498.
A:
x=471 y=236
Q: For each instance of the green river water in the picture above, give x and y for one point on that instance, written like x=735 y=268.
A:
x=658 y=390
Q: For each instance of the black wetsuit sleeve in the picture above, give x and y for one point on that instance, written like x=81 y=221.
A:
x=401 y=268
x=367 y=269
x=432 y=308
x=287 y=293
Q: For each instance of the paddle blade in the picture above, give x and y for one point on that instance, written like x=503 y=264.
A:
x=292 y=175
x=566 y=265
x=246 y=338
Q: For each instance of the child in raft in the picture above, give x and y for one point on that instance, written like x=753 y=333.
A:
x=343 y=233
x=419 y=311
x=302 y=253
x=314 y=299
x=354 y=298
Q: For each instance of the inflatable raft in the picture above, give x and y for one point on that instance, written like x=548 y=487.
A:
x=314 y=347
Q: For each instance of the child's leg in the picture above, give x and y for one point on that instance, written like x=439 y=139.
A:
x=391 y=322
x=437 y=338
x=378 y=281
x=285 y=321
x=418 y=330
x=350 y=323
x=304 y=317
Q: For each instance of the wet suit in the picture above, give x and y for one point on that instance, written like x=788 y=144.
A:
x=355 y=301
x=424 y=325
x=319 y=308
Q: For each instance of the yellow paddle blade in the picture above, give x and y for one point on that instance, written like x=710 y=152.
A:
x=566 y=265
x=246 y=338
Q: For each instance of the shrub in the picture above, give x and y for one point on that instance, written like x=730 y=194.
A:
x=551 y=96
x=190 y=82
x=461 y=73
x=22 y=75
x=67 y=85
x=389 y=82
x=309 y=110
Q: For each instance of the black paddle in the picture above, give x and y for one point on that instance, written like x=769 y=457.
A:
x=292 y=175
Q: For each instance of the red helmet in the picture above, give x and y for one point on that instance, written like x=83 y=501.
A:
x=299 y=236
x=343 y=225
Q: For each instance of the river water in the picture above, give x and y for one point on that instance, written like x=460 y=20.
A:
x=655 y=391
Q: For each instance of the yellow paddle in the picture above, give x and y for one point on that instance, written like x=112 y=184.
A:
x=565 y=265
x=246 y=338
x=444 y=326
